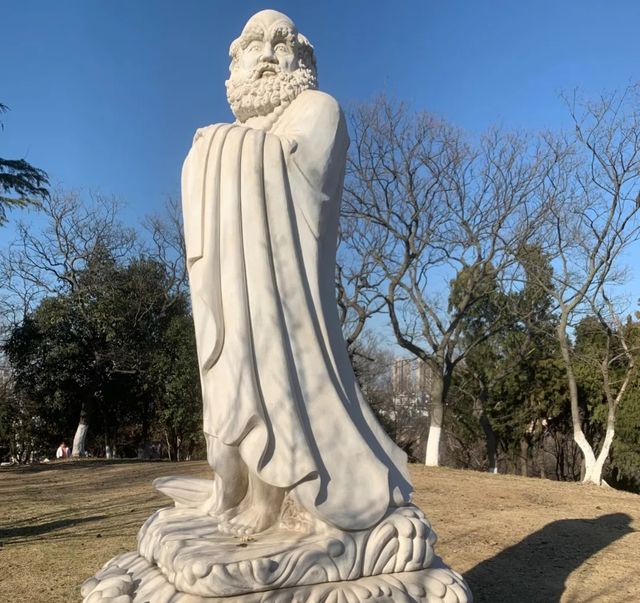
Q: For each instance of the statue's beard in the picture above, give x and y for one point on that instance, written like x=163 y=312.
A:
x=260 y=96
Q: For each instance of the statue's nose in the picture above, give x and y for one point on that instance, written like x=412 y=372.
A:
x=267 y=53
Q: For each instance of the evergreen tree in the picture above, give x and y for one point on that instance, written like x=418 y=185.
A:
x=20 y=182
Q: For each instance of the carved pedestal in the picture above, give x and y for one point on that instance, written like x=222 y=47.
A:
x=183 y=558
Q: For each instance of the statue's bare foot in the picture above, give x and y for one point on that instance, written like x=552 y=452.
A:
x=230 y=482
x=251 y=520
x=222 y=503
x=224 y=517
x=258 y=511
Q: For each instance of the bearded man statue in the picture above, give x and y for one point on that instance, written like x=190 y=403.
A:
x=310 y=499
x=283 y=412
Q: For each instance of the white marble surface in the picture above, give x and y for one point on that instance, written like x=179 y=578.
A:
x=188 y=548
x=130 y=578
x=283 y=412
x=309 y=498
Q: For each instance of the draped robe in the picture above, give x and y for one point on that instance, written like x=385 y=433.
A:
x=261 y=216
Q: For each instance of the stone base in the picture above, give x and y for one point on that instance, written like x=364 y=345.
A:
x=186 y=557
x=130 y=578
x=198 y=559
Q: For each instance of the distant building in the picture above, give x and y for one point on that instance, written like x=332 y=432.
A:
x=406 y=414
x=411 y=375
x=402 y=380
x=423 y=377
x=411 y=381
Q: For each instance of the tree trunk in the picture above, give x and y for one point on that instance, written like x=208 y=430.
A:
x=595 y=477
x=432 y=457
x=166 y=435
x=436 y=418
x=588 y=457
x=559 y=462
x=489 y=434
x=524 y=457
x=79 y=440
x=542 y=458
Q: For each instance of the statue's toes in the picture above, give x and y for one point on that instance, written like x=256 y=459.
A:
x=241 y=529
x=224 y=527
x=231 y=528
x=246 y=531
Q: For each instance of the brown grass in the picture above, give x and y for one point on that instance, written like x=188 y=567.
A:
x=515 y=539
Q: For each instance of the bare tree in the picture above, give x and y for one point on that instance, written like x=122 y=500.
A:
x=357 y=285
x=166 y=245
x=613 y=359
x=49 y=260
x=596 y=205
x=429 y=209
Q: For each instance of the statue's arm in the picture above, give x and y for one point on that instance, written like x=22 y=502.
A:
x=193 y=174
x=317 y=137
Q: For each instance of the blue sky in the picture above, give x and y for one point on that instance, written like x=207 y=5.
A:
x=106 y=95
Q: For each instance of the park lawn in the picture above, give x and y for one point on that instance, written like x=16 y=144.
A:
x=515 y=539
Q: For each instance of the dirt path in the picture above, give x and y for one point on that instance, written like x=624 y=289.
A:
x=516 y=540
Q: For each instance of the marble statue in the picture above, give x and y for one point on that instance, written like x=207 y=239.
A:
x=310 y=499
x=282 y=409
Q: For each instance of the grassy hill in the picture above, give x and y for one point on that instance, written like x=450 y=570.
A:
x=515 y=539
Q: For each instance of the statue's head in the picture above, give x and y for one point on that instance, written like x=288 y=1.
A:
x=271 y=63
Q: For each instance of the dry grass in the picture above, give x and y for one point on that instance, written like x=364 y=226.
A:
x=515 y=539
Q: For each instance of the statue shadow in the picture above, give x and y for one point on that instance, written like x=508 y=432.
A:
x=72 y=464
x=25 y=533
x=537 y=568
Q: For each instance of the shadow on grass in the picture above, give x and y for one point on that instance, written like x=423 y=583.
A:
x=536 y=569
x=28 y=532
x=71 y=464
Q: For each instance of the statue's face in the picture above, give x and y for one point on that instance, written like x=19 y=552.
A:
x=267 y=49
x=271 y=63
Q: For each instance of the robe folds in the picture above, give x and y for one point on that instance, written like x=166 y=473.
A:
x=261 y=216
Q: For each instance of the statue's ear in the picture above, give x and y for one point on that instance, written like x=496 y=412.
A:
x=307 y=56
x=234 y=49
x=303 y=41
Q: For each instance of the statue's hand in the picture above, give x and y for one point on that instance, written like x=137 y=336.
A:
x=289 y=145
